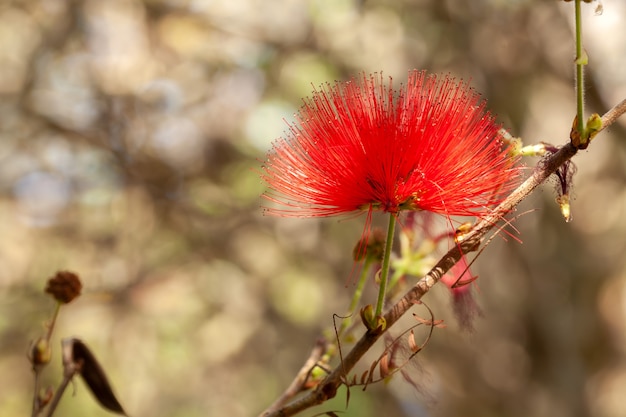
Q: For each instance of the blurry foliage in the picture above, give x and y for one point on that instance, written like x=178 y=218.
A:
x=130 y=136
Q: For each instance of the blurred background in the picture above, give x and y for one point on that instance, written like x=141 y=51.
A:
x=131 y=136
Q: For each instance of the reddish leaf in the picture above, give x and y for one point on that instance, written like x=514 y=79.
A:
x=439 y=324
x=384 y=365
x=412 y=344
x=430 y=322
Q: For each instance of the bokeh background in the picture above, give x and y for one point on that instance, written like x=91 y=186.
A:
x=131 y=135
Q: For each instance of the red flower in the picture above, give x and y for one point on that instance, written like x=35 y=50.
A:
x=361 y=145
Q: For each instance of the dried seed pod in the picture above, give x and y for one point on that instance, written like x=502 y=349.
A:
x=64 y=286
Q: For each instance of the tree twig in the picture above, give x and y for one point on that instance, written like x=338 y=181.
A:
x=302 y=376
x=70 y=368
x=612 y=115
x=327 y=388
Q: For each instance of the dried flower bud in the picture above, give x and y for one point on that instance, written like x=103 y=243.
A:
x=64 y=286
x=40 y=353
x=565 y=175
x=563 y=202
x=370 y=247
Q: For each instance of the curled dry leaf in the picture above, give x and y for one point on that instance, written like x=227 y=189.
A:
x=78 y=358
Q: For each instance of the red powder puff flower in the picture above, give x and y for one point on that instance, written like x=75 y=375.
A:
x=361 y=145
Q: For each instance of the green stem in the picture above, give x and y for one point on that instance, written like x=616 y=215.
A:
x=382 y=289
x=356 y=297
x=36 y=410
x=580 y=63
x=57 y=308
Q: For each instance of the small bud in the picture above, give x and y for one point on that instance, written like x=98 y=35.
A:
x=581 y=140
x=64 y=286
x=367 y=315
x=538 y=149
x=461 y=232
x=41 y=352
x=583 y=59
x=563 y=202
x=594 y=125
x=381 y=324
x=372 y=322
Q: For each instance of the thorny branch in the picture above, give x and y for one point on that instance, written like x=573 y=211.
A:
x=327 y=388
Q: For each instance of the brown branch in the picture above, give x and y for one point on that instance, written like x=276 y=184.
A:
x=297 y=385
x=612 y=115
x=327 y=389
x=70 y=369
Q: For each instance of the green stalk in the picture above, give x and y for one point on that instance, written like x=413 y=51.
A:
x=57 y=308
x=356 y=297
x=382 y=289
x=580 y=63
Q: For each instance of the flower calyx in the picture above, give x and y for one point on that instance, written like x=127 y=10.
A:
x=375 y=324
